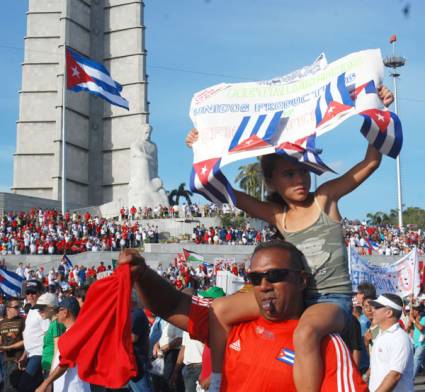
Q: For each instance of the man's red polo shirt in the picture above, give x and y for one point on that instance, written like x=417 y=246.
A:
x=260 y=356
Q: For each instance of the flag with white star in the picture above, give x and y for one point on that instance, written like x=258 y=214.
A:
x=84 y=74
x=287 y=115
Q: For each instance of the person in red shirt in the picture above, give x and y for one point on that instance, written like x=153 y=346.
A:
x=259 y=354
x=101 y=267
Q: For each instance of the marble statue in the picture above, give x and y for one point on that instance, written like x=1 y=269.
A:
x=145 y=187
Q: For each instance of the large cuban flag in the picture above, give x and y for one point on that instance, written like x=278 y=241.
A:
x=10 y=283
x=84 y=74
x=287 y=115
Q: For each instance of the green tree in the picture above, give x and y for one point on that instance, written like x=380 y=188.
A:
x=175 y=195
x=250 y=178
x=411 y=216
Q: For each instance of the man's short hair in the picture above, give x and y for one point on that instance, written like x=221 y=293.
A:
x=367 y=289
x=296 y=254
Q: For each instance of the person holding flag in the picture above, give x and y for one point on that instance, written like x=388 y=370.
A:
x=312 y=222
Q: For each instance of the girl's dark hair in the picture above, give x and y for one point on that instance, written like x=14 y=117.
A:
x=268 y=163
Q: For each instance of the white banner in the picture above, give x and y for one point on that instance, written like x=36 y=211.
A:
x=229 y=282
x=104 y=274
x=400 y=277
x=287 y=104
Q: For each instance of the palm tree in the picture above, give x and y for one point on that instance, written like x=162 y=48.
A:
x=250 y=179
x=175 y=195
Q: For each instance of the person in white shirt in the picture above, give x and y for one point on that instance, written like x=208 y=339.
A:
x=190 y=356
x=65 y=379
x=35 y=329
x=391 y=360
x=168 y=347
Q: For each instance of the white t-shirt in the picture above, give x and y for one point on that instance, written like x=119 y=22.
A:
x=35 y=329
x=169 y=333
x=392 y=350
x=193 y=350
x=69 y=381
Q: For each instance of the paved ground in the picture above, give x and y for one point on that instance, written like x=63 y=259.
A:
x=420 y=383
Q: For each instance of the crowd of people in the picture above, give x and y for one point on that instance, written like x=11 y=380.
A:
x=384 y=240
x=47 y=232
x=192 y=210
x=379 y=333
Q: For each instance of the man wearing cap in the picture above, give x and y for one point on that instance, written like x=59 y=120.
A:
x=63 y=378
x=47 y=305
x=391 y=360
x=11 y=341
x=35 y=329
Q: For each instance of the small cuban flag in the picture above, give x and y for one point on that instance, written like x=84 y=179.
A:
x=287 y=356
x=68 y=261
x=10 y=283
x=84 y=74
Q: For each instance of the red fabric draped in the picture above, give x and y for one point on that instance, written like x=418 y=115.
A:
x=99 y=342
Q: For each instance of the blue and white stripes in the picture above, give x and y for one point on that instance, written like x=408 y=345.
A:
x=10 y=283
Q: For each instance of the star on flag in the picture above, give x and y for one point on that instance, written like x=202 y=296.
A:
x=253 y=142
x=203 y=169
x=334 y=108
x=382 y=118
x=76 y=73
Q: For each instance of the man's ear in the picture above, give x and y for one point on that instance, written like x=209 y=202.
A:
x=303 y=279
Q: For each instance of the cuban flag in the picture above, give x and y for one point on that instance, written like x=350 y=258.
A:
x=10 y=283
x=334 y=102
x=68 y=261
x=255 y=132
x=383 y=130
x=304 y=150
x=84 y=74
x=286 y=355
x=208 y=180
x=381 y=127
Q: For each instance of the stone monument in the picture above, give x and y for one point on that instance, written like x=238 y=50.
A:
x=101 y=139
x=145 y=187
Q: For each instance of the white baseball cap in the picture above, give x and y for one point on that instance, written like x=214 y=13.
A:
x=47 y=299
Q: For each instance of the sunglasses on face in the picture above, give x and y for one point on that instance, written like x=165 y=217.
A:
x=272 y=276
x=17 y=307
x=31 y=293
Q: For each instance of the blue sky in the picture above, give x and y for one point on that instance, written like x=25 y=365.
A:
x=193 y=44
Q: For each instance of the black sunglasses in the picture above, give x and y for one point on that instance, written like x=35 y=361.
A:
x=272 y=276
x=17 y=307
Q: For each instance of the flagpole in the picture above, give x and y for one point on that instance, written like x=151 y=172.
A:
x=396 y=62
x=64 y=137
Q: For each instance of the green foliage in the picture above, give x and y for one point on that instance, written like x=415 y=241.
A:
x=411 y=216
x=232 y=220
x=250 y=179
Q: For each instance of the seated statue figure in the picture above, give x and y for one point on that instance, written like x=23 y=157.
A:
x=145 y=187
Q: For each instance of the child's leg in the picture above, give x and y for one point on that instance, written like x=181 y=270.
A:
x=315 y=323
x=225 y=312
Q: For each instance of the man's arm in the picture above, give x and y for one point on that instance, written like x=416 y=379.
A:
x=389 y=382
x=13 y=346
x=156 y=293
x=58 y=372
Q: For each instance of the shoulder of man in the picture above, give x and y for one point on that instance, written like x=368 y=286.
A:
x=339 y=367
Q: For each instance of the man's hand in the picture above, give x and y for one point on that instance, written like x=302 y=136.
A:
x=192 y=137
x=137 y=261
x=385 y=95
x=42 y=387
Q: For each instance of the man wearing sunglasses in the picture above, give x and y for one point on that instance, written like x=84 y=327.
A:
x=259 y=353
x=11 y=341
x=35 y=329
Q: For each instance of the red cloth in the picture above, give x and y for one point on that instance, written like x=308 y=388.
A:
x=99 y=342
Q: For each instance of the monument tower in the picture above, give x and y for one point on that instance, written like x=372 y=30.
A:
x=109 y=155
